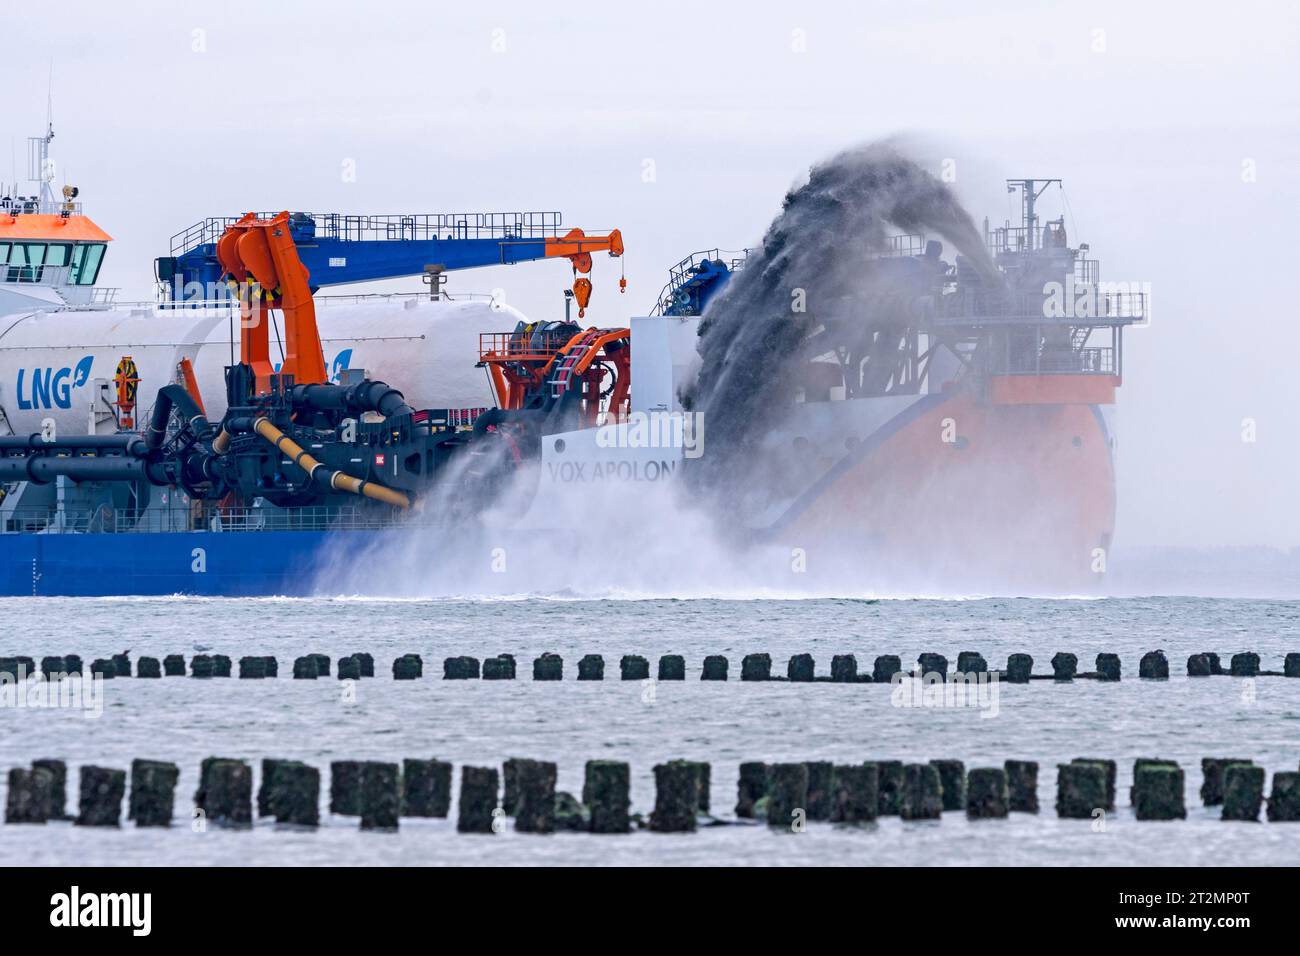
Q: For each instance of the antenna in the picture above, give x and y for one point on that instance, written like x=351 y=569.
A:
x=1030 y=190
x=40 y=168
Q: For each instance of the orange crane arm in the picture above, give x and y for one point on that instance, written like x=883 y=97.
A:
x=576 y=246
x=262 y=252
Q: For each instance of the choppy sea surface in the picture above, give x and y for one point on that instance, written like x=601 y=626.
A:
x=483 y=723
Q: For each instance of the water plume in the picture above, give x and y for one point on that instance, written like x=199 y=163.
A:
x=811 y=268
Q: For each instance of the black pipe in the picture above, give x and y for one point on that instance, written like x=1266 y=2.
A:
x=379 y=397
x=320 y=396
x=42 y=469
x=365 y=396
x=499 y=416
x=125 y=442
x=121 y=457
x=169 y=397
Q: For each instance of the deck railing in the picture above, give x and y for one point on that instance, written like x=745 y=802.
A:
x=539 y=346
x=213 y=520
x=442 y=225
x=34 y=205
x=1079 y=308
x=1051 y=360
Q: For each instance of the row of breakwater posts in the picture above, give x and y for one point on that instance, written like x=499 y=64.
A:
x=785 y=795
x=1154 y=665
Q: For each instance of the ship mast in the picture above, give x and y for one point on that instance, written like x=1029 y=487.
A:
x=1030 y=190
x=40 y=168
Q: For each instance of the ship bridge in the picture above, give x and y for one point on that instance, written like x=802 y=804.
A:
x=50 y=251
x=1047 y=329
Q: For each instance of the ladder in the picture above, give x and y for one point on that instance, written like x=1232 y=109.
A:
x=562 y=379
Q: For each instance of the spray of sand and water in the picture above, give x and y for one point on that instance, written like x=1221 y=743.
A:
x=691 y=538
x=809 y=270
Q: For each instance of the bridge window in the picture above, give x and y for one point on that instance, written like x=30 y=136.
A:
x=25 y=262
x=56 y=254
x=86 y=260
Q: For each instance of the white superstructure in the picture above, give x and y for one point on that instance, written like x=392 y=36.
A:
x=60 y=364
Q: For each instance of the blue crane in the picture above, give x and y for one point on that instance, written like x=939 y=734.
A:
x=337 y=249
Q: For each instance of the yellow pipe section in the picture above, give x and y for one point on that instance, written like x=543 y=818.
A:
x=338 y=480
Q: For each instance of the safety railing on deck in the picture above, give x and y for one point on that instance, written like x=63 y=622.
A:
x=359 y=298
x=166 y=306
x=117 y=521
x=1087 y=272
x=34 y=205
x=688 y=268
x=1052 y=360
x=34 y=274
x=443 y=225
x=537 y=346
x=72 y=295
x=907 y=244
x=1081 y=307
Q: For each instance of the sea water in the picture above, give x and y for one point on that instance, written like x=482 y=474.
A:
x=482 y=723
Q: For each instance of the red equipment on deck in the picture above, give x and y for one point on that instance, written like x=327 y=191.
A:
x=527 y=361
x=127 y=382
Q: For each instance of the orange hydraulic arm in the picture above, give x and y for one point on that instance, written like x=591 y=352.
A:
x=259 y=256
x=186 y=369
x=577 y=247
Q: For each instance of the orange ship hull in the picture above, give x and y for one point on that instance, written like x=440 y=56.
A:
x=960 y=490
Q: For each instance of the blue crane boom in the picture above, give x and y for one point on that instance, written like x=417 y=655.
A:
x=338 y=249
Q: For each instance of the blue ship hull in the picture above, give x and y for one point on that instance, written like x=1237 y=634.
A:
x=211 y=564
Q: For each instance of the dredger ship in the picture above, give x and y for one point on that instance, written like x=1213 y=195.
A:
x=219 y=440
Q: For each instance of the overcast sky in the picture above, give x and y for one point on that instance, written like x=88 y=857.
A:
x=1176 y=127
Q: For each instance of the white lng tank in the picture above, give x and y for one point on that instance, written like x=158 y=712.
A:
x=60 y=365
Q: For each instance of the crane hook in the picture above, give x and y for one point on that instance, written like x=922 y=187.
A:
x=582 y=292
